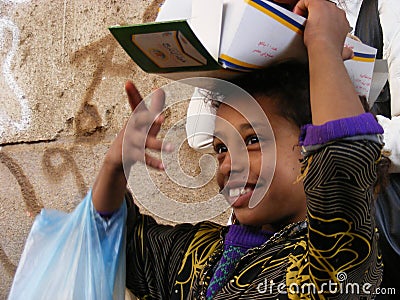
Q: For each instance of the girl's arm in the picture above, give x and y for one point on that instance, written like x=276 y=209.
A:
x=341 y=149
x=332 y=93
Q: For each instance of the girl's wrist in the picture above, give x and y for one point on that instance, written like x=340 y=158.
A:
x=113 y=157
x=321 y=48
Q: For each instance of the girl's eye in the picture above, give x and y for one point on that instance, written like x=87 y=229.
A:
x=252 y=140
x=220 y=148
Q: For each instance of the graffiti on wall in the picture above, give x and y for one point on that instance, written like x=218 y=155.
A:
x=56 y=162
x=8 y=26
x=29 y=197
x=6 y=122
x=88 y=122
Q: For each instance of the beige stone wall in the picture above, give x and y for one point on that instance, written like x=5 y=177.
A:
x=61 y=103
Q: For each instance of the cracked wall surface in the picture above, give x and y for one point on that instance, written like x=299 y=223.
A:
x=62 y=101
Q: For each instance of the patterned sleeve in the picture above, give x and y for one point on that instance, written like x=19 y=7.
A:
x=154 y=253
x=339 y=175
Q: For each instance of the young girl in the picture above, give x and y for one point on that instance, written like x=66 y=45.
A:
x=316 y=240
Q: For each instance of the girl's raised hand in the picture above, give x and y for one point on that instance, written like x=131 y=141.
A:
x=142 y=129
x=326 y=25
x=139 y=133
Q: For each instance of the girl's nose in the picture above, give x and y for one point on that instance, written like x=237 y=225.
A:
x=225 y=165
x=234 y=163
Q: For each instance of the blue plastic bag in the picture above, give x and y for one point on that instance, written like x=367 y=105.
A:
x=73 y=256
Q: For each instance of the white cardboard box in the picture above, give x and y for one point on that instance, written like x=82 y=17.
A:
x=222 y=38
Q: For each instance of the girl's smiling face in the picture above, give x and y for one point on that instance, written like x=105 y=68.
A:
x=246 y=153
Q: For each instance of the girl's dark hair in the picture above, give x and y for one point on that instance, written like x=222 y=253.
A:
x=286 y=84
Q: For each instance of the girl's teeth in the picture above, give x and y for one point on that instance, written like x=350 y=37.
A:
x=238 y=191
x=234 y=192
x=244 y=191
